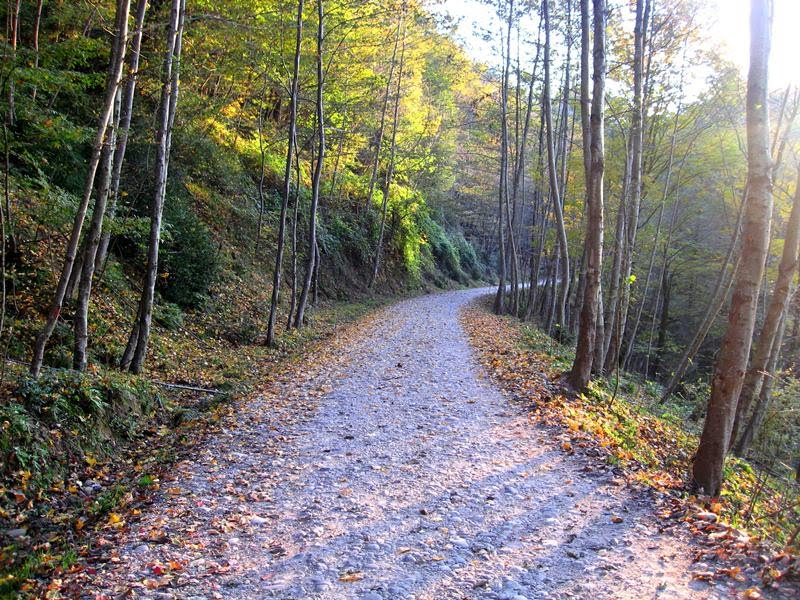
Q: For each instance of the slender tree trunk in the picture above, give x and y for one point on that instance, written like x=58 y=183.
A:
x=390 y=168
x=553 y=177
x=503 y=180
x=667 y=182
x=136 y=351
x=635 y=188
x=90 y=246
x=592 y=125
x=663 y=324
x=373 y=177
x=287 y=179
x=777 y=308
x=315 y=183
x=718 y=297
x=124 y=127
x=732 y=359
x=615 y=280
x=13 y=38
x=262 y=150
x=112 y=84
x=756 y=420
x=293 y=238
x=37 y=25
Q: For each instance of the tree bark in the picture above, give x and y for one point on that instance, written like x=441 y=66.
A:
x=635 y=187
x=287 y=178
x=778 y=305
x=390 y=168
x=592 y=126
x=731 y=363
x=124 y=127
x=764 y=397
x=112 y=84
x=553 y=179
x=136 y=351
x=315 y=183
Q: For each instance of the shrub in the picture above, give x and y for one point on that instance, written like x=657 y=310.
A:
x=189 y=260
x=168 y=315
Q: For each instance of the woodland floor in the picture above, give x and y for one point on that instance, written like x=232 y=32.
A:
x=390 y=467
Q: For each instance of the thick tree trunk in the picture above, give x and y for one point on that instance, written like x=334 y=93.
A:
x=112 y=84
x=287 y=179
x=136 y=351
x=594 y=136
x=732 y=360
x=315 y=183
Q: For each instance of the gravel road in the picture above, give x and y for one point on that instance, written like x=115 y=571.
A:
x=406 y=475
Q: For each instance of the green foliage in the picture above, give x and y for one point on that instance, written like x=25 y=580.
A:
x=189 y=261
x=168 y=315
x=444 y=251
x=63 y=414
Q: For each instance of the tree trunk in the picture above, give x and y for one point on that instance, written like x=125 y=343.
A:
x=293 y=239
x=136 y=351
x=112 y=84
x=37 y=25
x=718 y=297
x=665 y=194
x=663 y=323
x=12 y=22
x=390 y=168
x=315 y=183
x=635 y=187
x=592 y=126
x=732 y=360
x=765 y=395
x=262 y=151
x=553 y=178
x=287 y=179
x=373 y=177
x=778 y=304
x=123 y=130
x=90 y=245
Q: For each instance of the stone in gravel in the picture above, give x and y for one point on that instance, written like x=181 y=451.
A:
x=16 y=533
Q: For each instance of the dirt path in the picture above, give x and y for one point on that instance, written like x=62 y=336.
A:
x=408 y=476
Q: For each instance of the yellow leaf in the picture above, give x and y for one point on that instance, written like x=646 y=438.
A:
x=115 y=520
